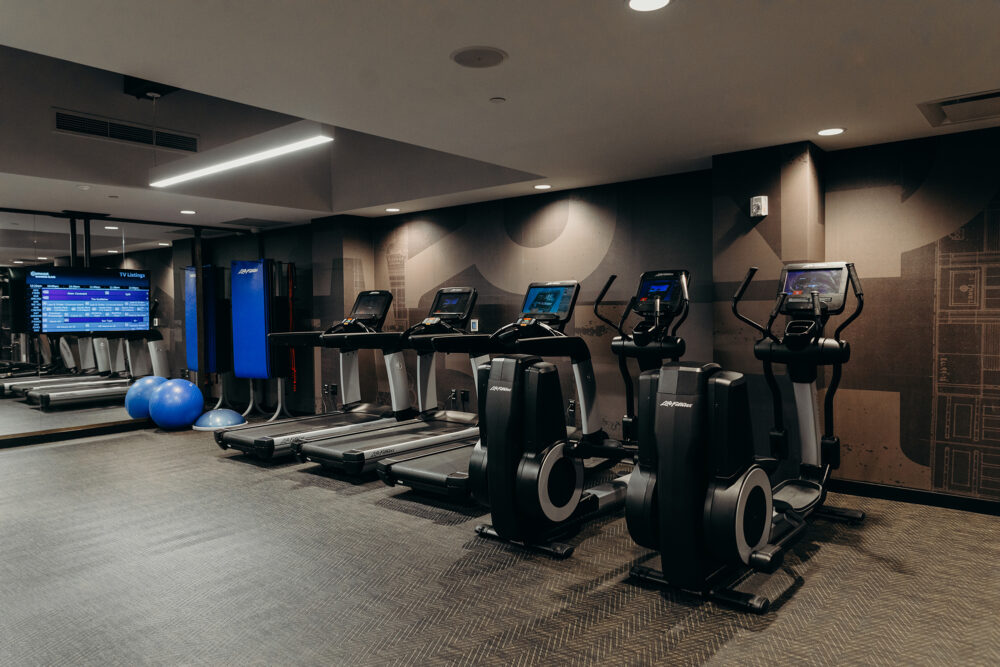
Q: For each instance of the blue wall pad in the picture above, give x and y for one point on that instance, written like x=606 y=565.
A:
x=191 y=318
x=251 y=290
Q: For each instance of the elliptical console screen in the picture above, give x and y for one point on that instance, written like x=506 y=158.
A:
x=371 y=305
x=829 y=279
x=664 y=285
x=452 y=303
x=549 y=302
x=68 y=300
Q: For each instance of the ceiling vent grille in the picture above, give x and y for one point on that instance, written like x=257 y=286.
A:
x=962 y=109
x=95 y=126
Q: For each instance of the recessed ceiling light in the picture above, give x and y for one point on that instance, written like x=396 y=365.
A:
x=111 y=227
x=543 y=186
x=392 y=210
x=112 y=252
x=188 y=211
x=164 y=244
x=830 y=132
x=18 y=261
x=647 y=5
x=83 y=187
x=479 y=56
x=43 y=258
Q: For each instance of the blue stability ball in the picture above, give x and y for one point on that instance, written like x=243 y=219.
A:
x=176 y=404
x=213 y=420
x=137 y=398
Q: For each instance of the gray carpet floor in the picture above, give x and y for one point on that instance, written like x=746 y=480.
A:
x=159 y=548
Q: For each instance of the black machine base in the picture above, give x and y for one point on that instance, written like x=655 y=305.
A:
x=554 y=549
x=842 y=514
x=724 y=593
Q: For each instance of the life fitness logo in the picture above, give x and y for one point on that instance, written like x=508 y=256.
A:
x=243 y=272
x=676 y=404
x=497 y=387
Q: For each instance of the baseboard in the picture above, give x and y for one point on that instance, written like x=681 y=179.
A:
x=917 y=496
x=73 y=432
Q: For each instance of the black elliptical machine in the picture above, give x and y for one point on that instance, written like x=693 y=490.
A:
x=535 y=479
x=699 y=494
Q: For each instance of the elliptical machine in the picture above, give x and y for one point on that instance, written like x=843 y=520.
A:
x=700 y=496
x=535 y=478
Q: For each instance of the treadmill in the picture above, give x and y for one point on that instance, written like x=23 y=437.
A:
x=115 y=376
x=444 y=469
x=357 y=454
x=82 y=368
x=274 y=439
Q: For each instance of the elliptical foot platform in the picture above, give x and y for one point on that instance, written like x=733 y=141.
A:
x=725 y=594
x=554 y=549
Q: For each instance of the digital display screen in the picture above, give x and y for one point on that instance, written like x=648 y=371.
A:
x=454 y=303
x=371 y=306
x=657 y=287
x=806 y=281
x=554 y=301
x=67 y=300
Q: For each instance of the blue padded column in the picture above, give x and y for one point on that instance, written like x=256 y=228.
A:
x=251 y=290
x=191 y=318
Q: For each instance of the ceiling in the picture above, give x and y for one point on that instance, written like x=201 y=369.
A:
x=595 y=92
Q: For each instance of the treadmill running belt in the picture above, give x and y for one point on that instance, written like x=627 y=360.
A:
x=444 y=472
x=272 y=440
x=358 y=454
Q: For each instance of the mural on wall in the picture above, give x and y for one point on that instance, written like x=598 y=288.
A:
x=965 y=389
x=922 y=391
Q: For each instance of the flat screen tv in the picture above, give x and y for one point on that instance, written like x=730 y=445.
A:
x=63 y=300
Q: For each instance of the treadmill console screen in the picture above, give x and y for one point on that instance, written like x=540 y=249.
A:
x=799 y=281
x=372 y=305
x=453 y=303
x=665 y=285
x=75 y=300
x=550 y=301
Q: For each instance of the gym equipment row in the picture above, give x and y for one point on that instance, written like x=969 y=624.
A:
x=685 y=471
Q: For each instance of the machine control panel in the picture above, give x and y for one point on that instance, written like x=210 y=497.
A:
x=453 y=304
x=551 y=302
x=799 y=281
x=660 y=292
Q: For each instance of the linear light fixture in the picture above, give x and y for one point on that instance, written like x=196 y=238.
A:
x=264 y=146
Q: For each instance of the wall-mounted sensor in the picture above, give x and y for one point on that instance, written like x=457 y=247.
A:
x=758 y=206
x=473 y=325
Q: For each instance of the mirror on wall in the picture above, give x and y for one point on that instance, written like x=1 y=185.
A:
x=75 y=333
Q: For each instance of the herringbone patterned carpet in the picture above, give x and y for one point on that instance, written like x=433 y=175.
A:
x=154 y=548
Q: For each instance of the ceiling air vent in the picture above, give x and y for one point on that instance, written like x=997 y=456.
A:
x=962 y=109
x=106 y=128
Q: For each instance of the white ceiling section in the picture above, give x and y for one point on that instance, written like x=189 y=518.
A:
x=595 y=92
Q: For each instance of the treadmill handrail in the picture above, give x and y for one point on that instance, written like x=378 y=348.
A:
x=368 y=340
x=573 y=347
x=295 y=338
x=469 y=343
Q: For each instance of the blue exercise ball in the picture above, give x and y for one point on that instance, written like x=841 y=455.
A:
x=176 y=404
x=213 y=420
x=137 y=398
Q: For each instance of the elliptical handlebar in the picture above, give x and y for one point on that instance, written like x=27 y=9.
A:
x=685 y=304
x=859 y=295
x=600 y=298
x=778 y=305
x=765 y=333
